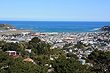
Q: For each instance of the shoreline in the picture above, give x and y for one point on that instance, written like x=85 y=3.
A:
x=7 y=32
x=14 y=31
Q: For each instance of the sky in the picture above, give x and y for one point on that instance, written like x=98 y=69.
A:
x=55 y=10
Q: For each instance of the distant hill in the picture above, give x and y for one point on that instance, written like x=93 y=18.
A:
x=105 y=28
x=6 y=27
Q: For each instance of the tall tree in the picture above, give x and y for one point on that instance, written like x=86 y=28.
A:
x=24 y=67
x=39 y=47
x=101 y=60
x=62 y=65
x=11 y=47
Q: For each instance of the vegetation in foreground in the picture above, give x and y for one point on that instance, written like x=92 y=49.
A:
x=41 y=54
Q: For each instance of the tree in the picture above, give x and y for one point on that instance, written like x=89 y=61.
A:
x=62 y=65
x=71 y=55
x=42 y=60
x=10 y=65
x=24 y=67
x=39 y=47
x=5 y=61
x=100 y=60
x=11 y=47
x=79 y=45
x=35 y=40
x=2 y=43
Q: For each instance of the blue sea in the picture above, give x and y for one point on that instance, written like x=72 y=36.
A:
x=57 y=26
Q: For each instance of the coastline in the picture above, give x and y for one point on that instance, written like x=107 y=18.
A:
x=21 y=31
x=14 y=31
x=60 y=27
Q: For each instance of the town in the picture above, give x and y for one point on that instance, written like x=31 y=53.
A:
x=70 y=44
x=99 y=40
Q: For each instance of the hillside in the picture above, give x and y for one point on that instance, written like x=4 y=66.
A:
x=105 y=28
x=6 y=27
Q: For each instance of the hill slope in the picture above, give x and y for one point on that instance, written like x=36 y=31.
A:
x=6 y=27
x=105 y=28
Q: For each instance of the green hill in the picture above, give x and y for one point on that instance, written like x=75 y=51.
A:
x=6 y=27
x=105 y=28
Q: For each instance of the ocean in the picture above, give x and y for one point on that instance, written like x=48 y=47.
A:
x=57 y=26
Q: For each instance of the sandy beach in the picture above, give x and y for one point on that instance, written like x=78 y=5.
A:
x=14 y=31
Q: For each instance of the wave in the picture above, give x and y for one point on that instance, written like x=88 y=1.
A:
x=95 y=29
x=26 y=28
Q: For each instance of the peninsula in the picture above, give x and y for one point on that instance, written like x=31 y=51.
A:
x=10 y=29
x=6 y=27
x=105 y=28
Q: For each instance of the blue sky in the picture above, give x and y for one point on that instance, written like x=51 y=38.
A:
x=55 y=10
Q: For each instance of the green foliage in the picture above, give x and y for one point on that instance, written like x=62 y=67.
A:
x=2 y=43
x=24 y=67
x=11 y=47
x=42 y=59
x=40 y=54
x=48 y=45
x=62 y=65
x=18 y=66
x=5 y=62
x=71 y=55
x=24 y=53
x=35 y=40
x=79 y=45
x=62 y=56
x=39 y=47
x=101 y=60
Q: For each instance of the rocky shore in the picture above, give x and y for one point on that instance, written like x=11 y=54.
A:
x=105 y=28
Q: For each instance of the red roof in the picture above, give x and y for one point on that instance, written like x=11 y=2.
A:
x=63 y=45
x=57 y=45
x=28 y=59
x=14 y=56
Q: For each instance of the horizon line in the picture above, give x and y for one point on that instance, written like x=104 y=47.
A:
x=56 y=20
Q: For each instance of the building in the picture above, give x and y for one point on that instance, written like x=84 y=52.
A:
x=29 y=50
x=28 y=59
x=12 y=54
x=82 y=61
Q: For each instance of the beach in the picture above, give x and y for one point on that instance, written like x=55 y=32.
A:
x=14 y=31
